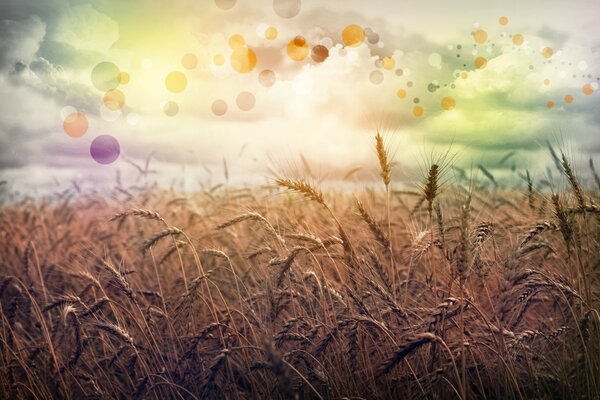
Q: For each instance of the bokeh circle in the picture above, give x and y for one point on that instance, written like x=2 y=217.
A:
x=287 y=8
x=245 y=101
x=106 y=76
x=267 y=78
x=75 y=124
x=219 y=107
x=105 y=149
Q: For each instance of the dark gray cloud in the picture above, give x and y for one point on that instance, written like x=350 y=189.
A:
x=20 y=41
x=525 y=142
x=22 y=9
x=554 y=36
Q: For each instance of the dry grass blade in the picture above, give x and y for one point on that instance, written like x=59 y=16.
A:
x=351 y=172
x=590 y=208
x=525 y=250
x=94 y=307
x=530 y=193
x=70 y=314
x=177 y=245
x=213 y=372
x=506 y=157
x=554 y=156
x=488 y=175
x=440 y=225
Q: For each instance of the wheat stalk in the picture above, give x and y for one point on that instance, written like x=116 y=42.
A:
x=116 y=331
x=303 y=188
x=411 y=343
x=151 y=242
x=568 y=171
x=373 y=226
x=385 y=169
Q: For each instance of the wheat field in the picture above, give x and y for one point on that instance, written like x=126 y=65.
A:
x=448 y=290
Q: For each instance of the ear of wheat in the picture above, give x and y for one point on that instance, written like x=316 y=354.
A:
x=384 y=163
x=303 y=188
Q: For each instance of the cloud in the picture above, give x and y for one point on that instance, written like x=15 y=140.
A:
x=503 y=106
x=558 y=38
x=85 y=28
x=20 y=41
x=327 y=111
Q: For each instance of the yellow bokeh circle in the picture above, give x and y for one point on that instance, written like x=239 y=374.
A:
x=518 y=39
x=418 y=111
x=243 y=59
x=176 y=82
x=353 y=35
x=271 y=33
x=219 y=60
x=297 y=49
x=123 y=78
x=236 y=41
x=480 y=62
x=448 y=103
x=480 y=36
x=389 y=63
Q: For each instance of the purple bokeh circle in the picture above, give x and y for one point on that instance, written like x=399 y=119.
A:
x=105 y=149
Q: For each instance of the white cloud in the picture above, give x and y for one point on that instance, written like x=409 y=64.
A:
x=85 y=28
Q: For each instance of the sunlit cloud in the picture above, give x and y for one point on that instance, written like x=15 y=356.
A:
x=193 y=83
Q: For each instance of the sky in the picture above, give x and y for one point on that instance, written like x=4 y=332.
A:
x=92 y=89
